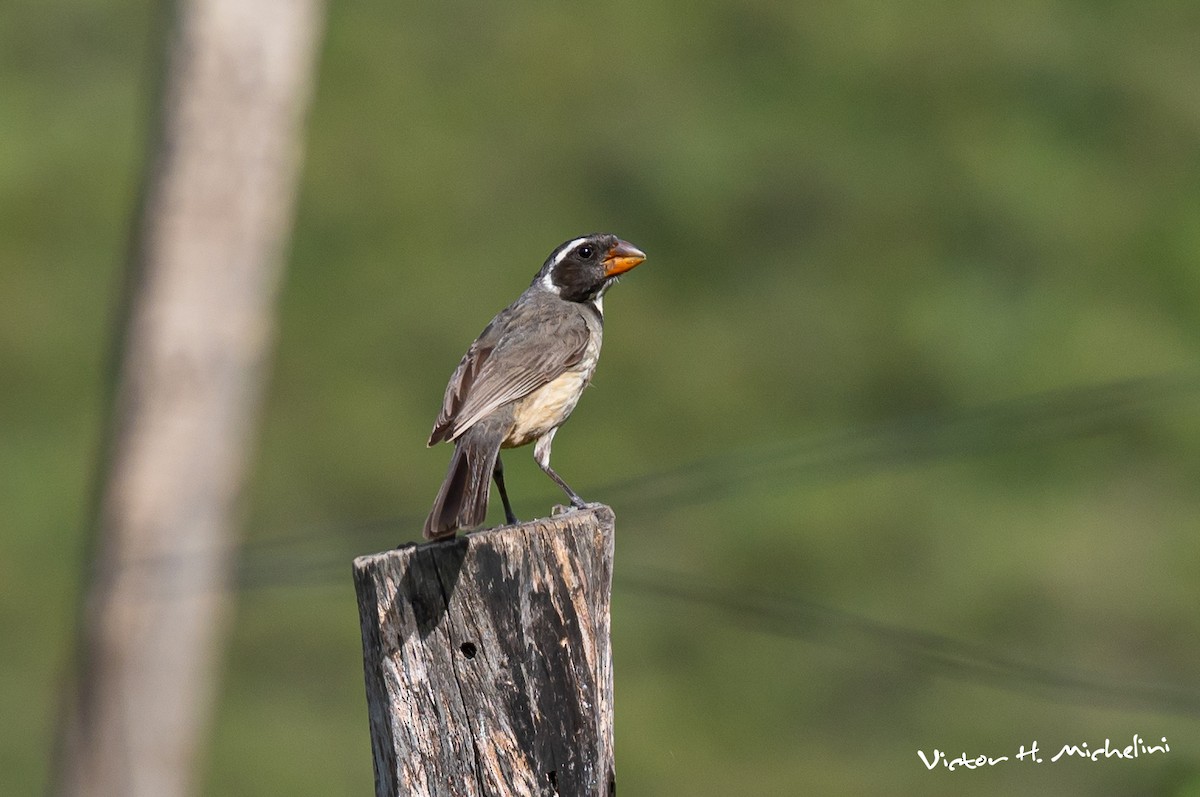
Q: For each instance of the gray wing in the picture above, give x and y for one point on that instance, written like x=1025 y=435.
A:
x=527 y=345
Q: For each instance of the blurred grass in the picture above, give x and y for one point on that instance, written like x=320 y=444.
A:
x=856 y=215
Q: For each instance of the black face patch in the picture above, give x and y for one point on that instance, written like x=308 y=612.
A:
x=579 y=271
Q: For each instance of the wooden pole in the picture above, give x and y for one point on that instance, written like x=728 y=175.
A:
x=208 y=256
x=488 y=662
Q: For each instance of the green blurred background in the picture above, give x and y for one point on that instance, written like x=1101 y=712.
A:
x=916 y=340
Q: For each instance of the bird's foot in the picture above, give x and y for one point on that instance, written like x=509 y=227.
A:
x=562 y=509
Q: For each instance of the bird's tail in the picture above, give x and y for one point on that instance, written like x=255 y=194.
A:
x=462 y=502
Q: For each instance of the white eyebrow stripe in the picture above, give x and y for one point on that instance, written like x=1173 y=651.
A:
x=566 y=249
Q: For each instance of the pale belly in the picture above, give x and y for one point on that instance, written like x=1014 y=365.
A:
x=547 y=407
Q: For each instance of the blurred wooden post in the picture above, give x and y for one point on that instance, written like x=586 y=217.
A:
x=488 y=662
x=208 y=255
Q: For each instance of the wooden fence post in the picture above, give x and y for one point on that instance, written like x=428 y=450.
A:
x=488 y=661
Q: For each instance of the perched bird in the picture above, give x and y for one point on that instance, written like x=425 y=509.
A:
x=522 y=376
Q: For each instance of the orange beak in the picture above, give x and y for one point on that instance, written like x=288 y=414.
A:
x=622 y=257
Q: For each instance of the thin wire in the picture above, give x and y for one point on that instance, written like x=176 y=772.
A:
x=1037 y=420
x=793 y=617
x=321 y=552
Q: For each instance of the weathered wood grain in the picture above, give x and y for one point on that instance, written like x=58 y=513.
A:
x=488 y=662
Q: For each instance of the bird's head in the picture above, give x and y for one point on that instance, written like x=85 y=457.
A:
x=581 y=269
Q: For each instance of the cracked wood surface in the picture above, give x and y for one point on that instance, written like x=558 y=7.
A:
x=488 y=662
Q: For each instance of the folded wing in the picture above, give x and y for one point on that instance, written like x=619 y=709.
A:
x=527 y=345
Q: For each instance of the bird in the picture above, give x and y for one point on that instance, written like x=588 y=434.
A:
x=523 y=375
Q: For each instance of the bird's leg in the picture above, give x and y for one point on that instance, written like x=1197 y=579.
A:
x=541 y=454
x=498 y=475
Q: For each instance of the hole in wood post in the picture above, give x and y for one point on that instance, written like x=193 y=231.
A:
x=468 y=649
x=552 y=776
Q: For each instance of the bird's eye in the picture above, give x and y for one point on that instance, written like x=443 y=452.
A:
x=585 y=252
